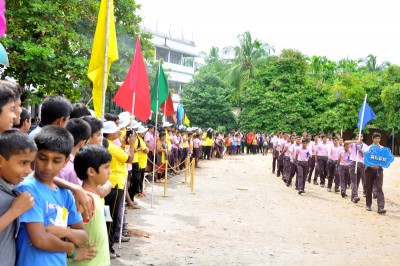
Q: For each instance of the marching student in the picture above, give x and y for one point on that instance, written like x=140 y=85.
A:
x=302 y=156
x=321 y=155
x=293 y=166
x=344 y=167
x=333 y=156
x=374 y=175
x=313 y=164
x=357 y=147
x=286 y=156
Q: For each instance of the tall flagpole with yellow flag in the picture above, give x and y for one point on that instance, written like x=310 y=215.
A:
x=104 y=52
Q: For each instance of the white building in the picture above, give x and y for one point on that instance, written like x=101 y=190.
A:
x=178 y=57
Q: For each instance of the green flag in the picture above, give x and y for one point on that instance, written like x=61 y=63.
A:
x=159 y=90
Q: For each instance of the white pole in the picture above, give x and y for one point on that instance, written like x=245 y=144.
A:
x=359 y=134
x=105 y=60
x=155 y=136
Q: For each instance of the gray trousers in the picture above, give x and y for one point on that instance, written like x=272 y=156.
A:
x=356 y=177
x=374 y=178
x=344 y=176
x=302 y=171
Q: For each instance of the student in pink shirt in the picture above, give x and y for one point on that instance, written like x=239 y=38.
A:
x=333 y=156
x=302 y=156
x=322 y=158
x=357 y=149
x=313 y=164
x=292 y=153
x=196 y=147
x=344 y=166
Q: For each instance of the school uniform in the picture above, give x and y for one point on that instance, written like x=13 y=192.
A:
x=286 y=162
x=279 y=148
x=360 y=175
x=333 y=174
x=293 y=167
x=322 y=158
x=302 y=156
x=275 y=153
x=374 y=177
x=313 y=164
x=344 y=168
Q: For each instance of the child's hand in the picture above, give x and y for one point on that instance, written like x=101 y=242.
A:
x=58 y=231
x=23 y=203
x=132 y=139
x=86 y=252
x=83 y=203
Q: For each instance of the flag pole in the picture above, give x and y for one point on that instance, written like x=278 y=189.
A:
x=361 y=124
x=105 y=69
x=155 y=136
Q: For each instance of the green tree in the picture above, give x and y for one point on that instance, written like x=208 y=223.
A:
x=49 y=44
x=390 y=98
x=206 y=100
x=370 y=64
x=243 y=67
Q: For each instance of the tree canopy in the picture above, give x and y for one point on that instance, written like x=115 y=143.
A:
x=49 y=45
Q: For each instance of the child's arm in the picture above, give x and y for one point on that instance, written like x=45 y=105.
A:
x=104 y=190
x=83 y=202
x=75 y=234
x=45 y=241
x=20 y=205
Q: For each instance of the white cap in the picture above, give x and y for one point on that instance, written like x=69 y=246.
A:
x=142 y=129
x=109 y=127
x=135 y=124
x=125 y=119
x=166 y=124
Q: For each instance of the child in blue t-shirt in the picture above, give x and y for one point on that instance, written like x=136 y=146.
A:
x=52 y=229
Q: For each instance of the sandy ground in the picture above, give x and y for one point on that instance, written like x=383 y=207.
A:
x=241 y=214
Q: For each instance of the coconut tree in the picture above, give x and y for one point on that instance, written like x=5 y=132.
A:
x=243 y=62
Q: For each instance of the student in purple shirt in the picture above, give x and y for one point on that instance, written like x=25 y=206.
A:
x=344 y=166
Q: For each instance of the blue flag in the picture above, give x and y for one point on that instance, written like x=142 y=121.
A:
x=179 y=114
x=368 y=115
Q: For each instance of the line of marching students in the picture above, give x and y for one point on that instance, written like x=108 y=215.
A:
x=338 y=164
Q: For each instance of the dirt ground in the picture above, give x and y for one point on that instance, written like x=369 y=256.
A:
x=242 y=214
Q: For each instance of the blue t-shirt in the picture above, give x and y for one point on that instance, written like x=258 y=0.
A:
x=52 y=207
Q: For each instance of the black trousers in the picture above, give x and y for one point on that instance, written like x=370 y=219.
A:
x=113 y=199
x=133 y=188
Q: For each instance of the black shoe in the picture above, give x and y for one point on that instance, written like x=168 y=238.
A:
x=315 y=182
x=329 y=190
x=381 y=211
x=343 y=194
x=322 y=185
x=301 y=191
x=309 y=180
x=288 y=184
x=369 y=208
x=273 y=172
x=355 y=200
x=123 y=239
x=374 y=195
x=364 y=194
x=337 y=190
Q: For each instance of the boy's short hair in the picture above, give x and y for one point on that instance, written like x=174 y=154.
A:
x=95 y=124
x=55 y=138
x=376 y=135
x=79 y=110
x=79 y=128
x=91 y=155
x=15 y=87
x=53 y=108
x=13 y=142
x=335 y=138
x=7 y=96
x=111 y=117
x=25 y=115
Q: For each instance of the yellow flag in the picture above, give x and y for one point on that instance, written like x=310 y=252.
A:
x=187 y=121
x=96 y=65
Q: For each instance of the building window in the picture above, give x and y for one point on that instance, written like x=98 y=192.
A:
x=176 y=58
x=188 y=60
x=161 y=54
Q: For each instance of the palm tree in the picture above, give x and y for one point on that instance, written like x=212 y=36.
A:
x=370 y=64
x=243 y=65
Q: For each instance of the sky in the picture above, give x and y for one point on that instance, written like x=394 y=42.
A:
x=336 y=29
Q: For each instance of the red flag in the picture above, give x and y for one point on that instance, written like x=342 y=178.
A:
x=169 y=109
x=136 y=82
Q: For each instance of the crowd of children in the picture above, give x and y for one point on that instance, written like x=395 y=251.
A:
x=57 y=183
